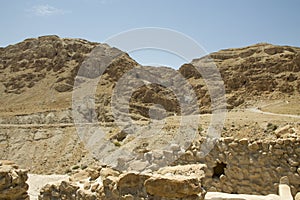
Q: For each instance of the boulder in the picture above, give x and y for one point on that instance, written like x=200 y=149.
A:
x=173 y=186
x=297 y=197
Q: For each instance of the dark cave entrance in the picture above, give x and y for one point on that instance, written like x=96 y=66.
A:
x=219 y=170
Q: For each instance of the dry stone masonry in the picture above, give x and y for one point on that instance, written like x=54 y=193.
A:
x=170 y=183
x=242 y=166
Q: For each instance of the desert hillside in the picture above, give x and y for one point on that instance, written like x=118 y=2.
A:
x=39 y=77
x=203 y=104
x=258 y=72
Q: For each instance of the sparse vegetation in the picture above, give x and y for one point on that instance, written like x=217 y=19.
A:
x=117 y=143
x=75 y=167
x=200 y=129
x=271 y=127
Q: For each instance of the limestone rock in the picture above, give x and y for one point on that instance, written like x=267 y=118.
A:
x=283 y=130
x=173 y=186
x=297 y=197
x=12 y=181
x=132 y=183
x=192 y=170
x=85 y=184
x=247 y=72
x=284 y=180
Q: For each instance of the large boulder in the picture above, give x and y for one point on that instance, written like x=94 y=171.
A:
x=297 y=197
x=173 y=187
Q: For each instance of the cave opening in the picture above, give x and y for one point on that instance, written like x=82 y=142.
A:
x=219 y=170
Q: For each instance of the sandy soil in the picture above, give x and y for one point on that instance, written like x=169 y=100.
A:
x=225 y=196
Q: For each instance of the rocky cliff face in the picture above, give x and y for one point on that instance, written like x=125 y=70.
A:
x=26 y=64
x=260 y=71
x=37 y=75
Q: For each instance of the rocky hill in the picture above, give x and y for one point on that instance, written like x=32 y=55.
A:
x=37 y=75
x=37 y=78
x=35 y=72
x=261 y=71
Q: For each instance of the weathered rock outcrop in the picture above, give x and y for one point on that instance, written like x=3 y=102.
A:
x=175 y=187
x=255 y=72
x=50 y=64
x=13 y=184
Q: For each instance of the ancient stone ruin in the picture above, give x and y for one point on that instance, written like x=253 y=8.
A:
x=242 y=166
x=180 y=182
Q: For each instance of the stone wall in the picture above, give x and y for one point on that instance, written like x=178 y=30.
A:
x=12 y=182
x=248 y=167
x=170 y=183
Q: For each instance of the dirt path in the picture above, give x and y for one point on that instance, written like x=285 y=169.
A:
x=225 y=196
x=36 y=182
x=257 y=110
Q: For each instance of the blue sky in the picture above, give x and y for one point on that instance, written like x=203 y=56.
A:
x=214 y=24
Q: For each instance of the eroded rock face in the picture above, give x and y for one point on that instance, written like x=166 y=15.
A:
x=50 y=64
x=36 y=58
x=13 y=184
x=258 y=71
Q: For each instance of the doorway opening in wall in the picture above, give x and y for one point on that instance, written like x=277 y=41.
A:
x=219 y=170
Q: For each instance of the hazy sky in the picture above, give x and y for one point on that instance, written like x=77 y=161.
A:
x=214 y=24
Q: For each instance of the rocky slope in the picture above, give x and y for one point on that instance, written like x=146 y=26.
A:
x=36 y=85
x=37 y=75
x=260 y=71
x=35 y=71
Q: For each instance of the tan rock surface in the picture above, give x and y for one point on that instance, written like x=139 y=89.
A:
x=173 y=186
x=12 y=181
x=108 y=184
x=297 y=197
